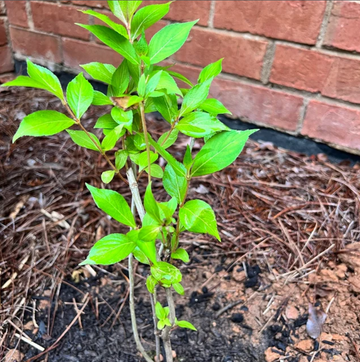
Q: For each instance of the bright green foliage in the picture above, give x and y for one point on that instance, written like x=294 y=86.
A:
x=43 y=123
x=135 y=86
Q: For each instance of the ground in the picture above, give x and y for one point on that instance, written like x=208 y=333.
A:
x=290 y=237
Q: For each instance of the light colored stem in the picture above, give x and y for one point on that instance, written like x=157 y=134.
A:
x=143 y=121
x=166 y=331
x=135 y=193
x=153 y=300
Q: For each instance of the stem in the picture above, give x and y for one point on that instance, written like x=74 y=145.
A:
x=153 y=300
x=166 y=331
x=135 y=193
x=143 y=121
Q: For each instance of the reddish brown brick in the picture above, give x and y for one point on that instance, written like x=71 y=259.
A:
x=343 y=28
x=91 y=3
x=59 y=19
x=259 y=104
x=6 y=59
x=16 y=13
x=243 y=56
x=338 y=125
x=300 y=68
x=295 y=20
x=3 y=36
x=37 y=45
x=78 y=52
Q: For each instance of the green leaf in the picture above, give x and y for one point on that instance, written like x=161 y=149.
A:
x=83 y=140
x=195 y=97
x=143 y=159
x=43 y=123
x=170 y=140
x=178 y=288
x=176 y=165
x=210 y=71
x=140 y=256
x=45 y=77
x=174 y=184
x=79 y=94
x=139 y=141
x=110 y=250
x=161 y=324
x=185 y=324
x=109 y=142
x=151 y=284
x=106 y=121
x=188 y=161
x=117 y=27
x=107 y=176
x=148 y=16
x=180 y=77
x=122 y=118
x=168 y=40
x=141 y=47
x=153 y=82
x=219 y=152
x=199 y=124
x=120 y=79
x=113 y=204
x=197 y=216
x=213 y=106
x=156 y=171
x=149 y=249
x=181 y=254
x=24 y=81
x=167 y=106
x=167 y=321
x=124 y=10
x=149 y=233
x=101 y=99
x=141 y=86
x=100 y=71
x=151 y=205
x=114 y=40
x=120 y=159
x=168 y=83
x=166 y=273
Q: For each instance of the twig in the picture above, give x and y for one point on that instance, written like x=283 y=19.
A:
x=30 y=342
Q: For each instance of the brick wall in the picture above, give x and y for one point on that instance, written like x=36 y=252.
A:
x=290 y=65
x=6 y=58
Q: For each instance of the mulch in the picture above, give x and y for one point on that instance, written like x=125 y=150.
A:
x=294 y=212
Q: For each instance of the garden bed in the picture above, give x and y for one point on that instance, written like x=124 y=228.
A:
x=290 y=216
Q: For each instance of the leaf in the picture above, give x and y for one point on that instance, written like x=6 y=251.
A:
x=110 y=139
x=141 y=47
x=143 y=159
x=178 y=288
x=83 y=140
x=195 y=96
x=168 y=40
x=24 y=81
x=106 y=121
x=151 y=205
x=110 y=250
x=45 y=77
x=79 y=94
x=153 y=82
x=101 y=99
x=213 y=106
x=117 y=27
x=176 y=165
x=149 y=249
x=156 y=171
x=114 y=40
x=43 y=123
x=151 y=284
x=100 y=71
x=148 y=16
x=200 y=124
x=188 y=161
x=219 y=152
x=120 y=79
x=167 y=106
x=166 y=273
x=197 y=216
x=185 y=324
x=122 y=118
x=107 y=176
x=181 y=254
x=174 y=184
x=124 y=10
x=120 y=159
x=210 y=71
x=140 y=256
x=180 y=77
x=167 y=82
x=149 y=233
x=160 y=324
x=113 y=204
x=141 y=86
x=170 y=140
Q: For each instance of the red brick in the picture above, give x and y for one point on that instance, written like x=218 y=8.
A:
x=16 y=13
x=6 y=60
x=78 y=52
x=37 y=45
x=300 y=68
x=295 y=20
x=243 y=56
x=91 y=3
x=343 y=82
x=338 y=125
x=258 y=104
x=3 y=36
x=59 y=19
x=343 y=28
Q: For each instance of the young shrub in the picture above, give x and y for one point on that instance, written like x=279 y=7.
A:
x=136 y=87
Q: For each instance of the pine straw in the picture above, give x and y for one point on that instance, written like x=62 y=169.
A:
x=289 y=209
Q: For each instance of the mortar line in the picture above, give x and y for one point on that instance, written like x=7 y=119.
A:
x=29 y=15
x=302 y=115
x=268 y=62
x=212 y=14
x=324 y=24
